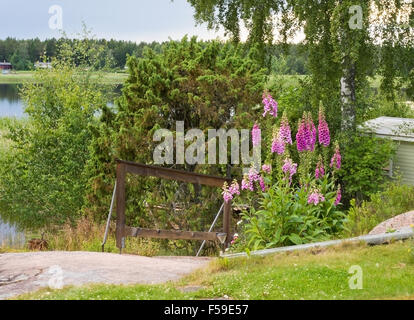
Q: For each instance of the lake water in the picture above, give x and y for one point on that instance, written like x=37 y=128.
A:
x=10 y=102
x=12 y=106
x=10 y=236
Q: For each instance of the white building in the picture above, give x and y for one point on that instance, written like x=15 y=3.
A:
x=400 y=130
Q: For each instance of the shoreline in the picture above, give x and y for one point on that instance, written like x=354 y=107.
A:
x=28 y=76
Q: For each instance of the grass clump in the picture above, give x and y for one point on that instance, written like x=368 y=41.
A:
x=395 y=199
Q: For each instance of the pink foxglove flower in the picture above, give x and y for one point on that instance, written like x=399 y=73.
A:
x=338 y=196
x=316 y=197
x=323 y=130
x=253 y=175
x=310 y=133
x=246 y=184
x=336 y=158
x=278 y=145
x=262 y=184
x=267 y=168
x=227 y=195
x=256 y=135
x=289 y=168
x=285 y=132
x=270 y=105
x=306 y=135
x=320 y=169
x=234 y=188
x=301 y=136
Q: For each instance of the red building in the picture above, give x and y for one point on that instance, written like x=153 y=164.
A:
x=6 y=66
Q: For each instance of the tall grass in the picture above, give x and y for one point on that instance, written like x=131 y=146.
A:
x=87 y=235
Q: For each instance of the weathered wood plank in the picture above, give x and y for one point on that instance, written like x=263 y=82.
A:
x=170 y=234
x=120 y=204
x=227 y=214
x=173 y=174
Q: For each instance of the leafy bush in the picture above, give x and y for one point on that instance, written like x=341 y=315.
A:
x=365 y=158
x=42 y=181
x=395 y=199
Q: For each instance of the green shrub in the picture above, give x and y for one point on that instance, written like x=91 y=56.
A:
x=365 y=158
x=41 y=175
x=394 y=200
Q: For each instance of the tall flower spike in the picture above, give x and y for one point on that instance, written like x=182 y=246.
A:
x=278 y=144
x=315 y=197
x=227 y=195
x=323 y=129
x=301 y=136
x=310 y=133
x=253 y=175
x=320 y=169
x=338 y=196
x=256 y=135
x=289 y=168
x=285 y=132
x=267 y=168
x=234 y=188
x=336 y=158
x=270 y=105
x=262 y=184
x=247 y=184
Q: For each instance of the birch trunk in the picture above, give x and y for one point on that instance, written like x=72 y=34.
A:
x=348 y=98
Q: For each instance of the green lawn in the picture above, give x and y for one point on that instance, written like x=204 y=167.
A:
x=293 y=80
x=119 y=78
x=388 y=273
x=24 y=76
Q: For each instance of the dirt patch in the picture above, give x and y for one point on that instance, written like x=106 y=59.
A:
x=26 y=272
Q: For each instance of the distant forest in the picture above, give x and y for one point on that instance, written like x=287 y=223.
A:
x=23 y=54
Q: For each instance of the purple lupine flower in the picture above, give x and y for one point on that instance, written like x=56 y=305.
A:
x=320 y=169
x=278 y=145
x=262 y=184
x=289 y=168
x=336 y=158
x=235 y=188
x=315 y=197
x=301 y=136
x=270 y=105
x=323 y=130
x=256 y=135
x=285 y=132
x=267 y=168
x=338 y=196
x=227 y=195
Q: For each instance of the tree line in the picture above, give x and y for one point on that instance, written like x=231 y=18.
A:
x=23 y=54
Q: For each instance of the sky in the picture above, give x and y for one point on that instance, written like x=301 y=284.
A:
x=135 y=20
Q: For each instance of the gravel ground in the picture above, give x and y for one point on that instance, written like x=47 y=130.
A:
x=27 y=272
x=397 y=223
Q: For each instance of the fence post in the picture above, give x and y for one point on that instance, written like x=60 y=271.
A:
x=120 y=204
x=227 y=221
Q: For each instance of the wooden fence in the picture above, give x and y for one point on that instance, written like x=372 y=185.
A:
x=122 y=230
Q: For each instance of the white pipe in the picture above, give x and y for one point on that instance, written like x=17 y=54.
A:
x=402 y=234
